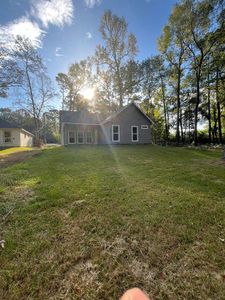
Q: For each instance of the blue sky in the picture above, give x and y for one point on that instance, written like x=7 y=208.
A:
x=67 y=30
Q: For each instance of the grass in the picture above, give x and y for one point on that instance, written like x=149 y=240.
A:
x=90 y=222
x=13 y=150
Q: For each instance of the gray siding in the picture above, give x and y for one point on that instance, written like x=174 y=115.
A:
x=102 y=134
x=131 y=116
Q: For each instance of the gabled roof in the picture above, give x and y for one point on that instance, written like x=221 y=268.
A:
x=124 y=108
x=85 y=117
x=6 y=124
x=79 y=117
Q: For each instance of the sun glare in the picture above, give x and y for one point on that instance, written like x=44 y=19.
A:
x=88 y=93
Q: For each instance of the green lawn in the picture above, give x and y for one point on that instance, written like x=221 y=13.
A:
x=89 y=222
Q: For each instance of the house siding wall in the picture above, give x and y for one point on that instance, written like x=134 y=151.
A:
x=127 y=118
x=19 y=138
x=15 y=134
x=102 y=134
x=26 y=140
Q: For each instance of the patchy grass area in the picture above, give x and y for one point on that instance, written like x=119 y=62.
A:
x=11 y=156
x=13 y=150
x=90 y=222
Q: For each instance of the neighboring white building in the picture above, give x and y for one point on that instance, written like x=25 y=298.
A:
x=14 y=136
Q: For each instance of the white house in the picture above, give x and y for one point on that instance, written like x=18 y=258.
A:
x=12 y=135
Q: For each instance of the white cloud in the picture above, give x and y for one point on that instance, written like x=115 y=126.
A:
x=88 y=35
x=58 y=51
x=55 y=12
x=92 y=3
x=23 y=27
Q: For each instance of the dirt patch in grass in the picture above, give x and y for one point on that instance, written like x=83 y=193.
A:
x=8 y=160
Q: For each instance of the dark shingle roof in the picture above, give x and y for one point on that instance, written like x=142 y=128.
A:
x=6 y=124
x=79 y=117
x=124 y=108
x=85 y=117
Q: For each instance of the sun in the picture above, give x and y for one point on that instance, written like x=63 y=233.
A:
x=88 y=93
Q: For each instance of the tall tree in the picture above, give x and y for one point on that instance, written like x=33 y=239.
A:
x=153 y=86
x=171 y=45
x=36 y=85
x=72 y=83
x=10 y=73
x=64 y=86
x=118 y=49
x=132 y=79
x=198 y=26
x=104 y=98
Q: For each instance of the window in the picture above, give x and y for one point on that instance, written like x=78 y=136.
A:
x=115 y=133
x=134 y=133
x=80 y=137
x=88 y=137
x=72 y=137
x=144 y=126
x=7 y=137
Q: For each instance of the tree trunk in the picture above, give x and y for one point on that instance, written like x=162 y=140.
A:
x=189 y=122
x=164 y=110
x=32 y=104
x=215 y=125
x=196 y=109
x=209 y=111
x=218 y=108
x=119 y=83
x=178 y=108
x=181 y=126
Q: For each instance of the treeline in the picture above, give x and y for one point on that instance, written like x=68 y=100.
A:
x=181 y=88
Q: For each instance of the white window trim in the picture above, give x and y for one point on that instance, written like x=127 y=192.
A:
x=86 y=137
x=144 y=127
x=69 y=137
x=78 y=138
x=117 y=141
x=10 y=138
x=132 y=134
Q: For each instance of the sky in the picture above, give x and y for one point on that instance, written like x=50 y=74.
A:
x=66 y=31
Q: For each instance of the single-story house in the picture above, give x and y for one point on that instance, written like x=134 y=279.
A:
x=12 y=135
x=129 y=125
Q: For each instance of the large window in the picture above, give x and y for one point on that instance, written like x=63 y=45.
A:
x=134 y=133
x=80 y=137
x=72 y=137
x=7 y=137
x=115 y=133
x=88 y=137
